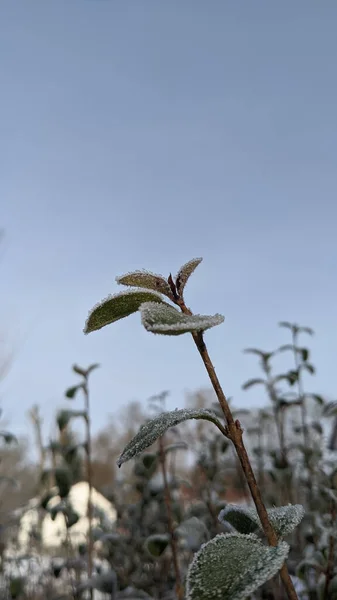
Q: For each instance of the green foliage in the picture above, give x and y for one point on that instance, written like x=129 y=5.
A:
x=64 y=417
x=85 y=372
x=147 y=280
x=166 y=320
x=156 y=544
x=155 y=428
x=284 y=519
x=185 y=273
x=16 y=587
x=117 y=307
x=232 y=566
x=72 y=391
x=64 y=507
x=63 y=481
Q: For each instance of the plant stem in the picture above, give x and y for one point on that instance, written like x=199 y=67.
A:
x=234 y=433
x=89 y=480
x=179 y=586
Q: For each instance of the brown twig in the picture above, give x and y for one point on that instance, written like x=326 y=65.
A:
x=179 y=586
x=235 y=435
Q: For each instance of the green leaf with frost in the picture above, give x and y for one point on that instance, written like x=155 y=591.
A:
x=154 y=429
x=284 y=519
x=167 y=320
x=239 y=518
x=185 y=273
x=117 y=307
x=232 y=566
x=156 y=544
x=194 y=533
x=147 y=280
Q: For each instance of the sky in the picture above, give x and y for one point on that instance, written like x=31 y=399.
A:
x=140 y=134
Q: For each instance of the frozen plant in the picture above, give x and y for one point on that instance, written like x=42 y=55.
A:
x=213 y=572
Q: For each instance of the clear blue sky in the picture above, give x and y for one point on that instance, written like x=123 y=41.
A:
x=144 y=133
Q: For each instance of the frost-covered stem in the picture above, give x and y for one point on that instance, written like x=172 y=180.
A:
x=173 y=542
x=234 y=433
x=89 y=479
x=331 y=555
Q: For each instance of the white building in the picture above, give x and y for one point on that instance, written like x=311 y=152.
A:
x=53 y=533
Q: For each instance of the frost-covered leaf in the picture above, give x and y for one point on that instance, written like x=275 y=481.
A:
x=185 y=273
x=147 y=280
x=156 y=544
x=167 y=320
x=117 y=307
x=65 y=416
x=154 y=429
x=194 y=532
x=240 y=518
x=284 y=519
x=232 y=566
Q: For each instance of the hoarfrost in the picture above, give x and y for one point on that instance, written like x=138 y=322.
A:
x=284 y=519
x=185 y=272
x=148 y=280
x=117 y=307
x=166 y=320
x=154 y=429
x=232 y=566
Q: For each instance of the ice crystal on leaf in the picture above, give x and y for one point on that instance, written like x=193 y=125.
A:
x=185 y=273
x=232 y=566
x=167 y=320
x=148 y=280
x=154 y=429
x=117 y=307
x=284 y=519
